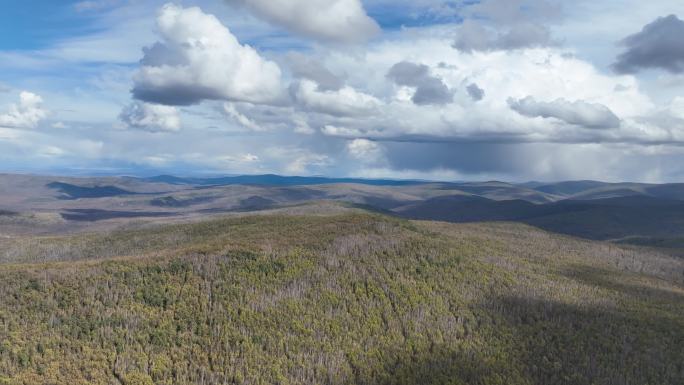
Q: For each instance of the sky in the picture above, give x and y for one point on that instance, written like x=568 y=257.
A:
x=513 y=90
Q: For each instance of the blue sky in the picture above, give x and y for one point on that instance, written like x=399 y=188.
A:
x=496 y=89
x=41 y=23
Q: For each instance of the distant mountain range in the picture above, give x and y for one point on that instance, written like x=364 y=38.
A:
x=535 y=191
x=275 y=180
x=650 y=214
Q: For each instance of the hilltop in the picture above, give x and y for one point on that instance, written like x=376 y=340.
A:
x=332 y=294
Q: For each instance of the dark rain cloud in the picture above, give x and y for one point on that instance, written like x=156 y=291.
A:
x=467 y=158
x=429 y=89
x=659 y=45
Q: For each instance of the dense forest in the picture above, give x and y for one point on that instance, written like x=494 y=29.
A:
x=346 y=299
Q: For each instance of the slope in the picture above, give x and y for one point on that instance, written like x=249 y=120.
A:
x=641 y=218
x=338 y=299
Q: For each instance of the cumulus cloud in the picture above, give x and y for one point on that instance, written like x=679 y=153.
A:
x=199 y=58
x=151 y=117
x=475 y=92
x=365 y=150
x=429 y=89
x=341 y=21
x=27 y=114
x=358 y=120
x=344 y=102
x=658 y=45
x=581 y=113
x=548 y=74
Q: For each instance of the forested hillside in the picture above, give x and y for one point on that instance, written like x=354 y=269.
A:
x=345 y=299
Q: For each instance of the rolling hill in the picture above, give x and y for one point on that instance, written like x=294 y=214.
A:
x=275 y=180
x=621 y=218
x=337 y=297
x=71 y=191
x=166 y=281
x=644 y=214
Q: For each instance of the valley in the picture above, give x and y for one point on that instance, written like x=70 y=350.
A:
x=621 y=212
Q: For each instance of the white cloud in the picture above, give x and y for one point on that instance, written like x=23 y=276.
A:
x=158 y=160
x=351 y=117
x=151 y=117
x=677 y=107
x=244 y=158
x=46 y=144
x=27 y=114
x=50 y=151
x=581 y=113
x=304 y=164
x=301 y=126
x=217 y=160
x=344 y=102
x=120 y=35
x=342 y=131
x=544 y=73
x=342 y=21
x=10 y=135
x=286 y=158
x=373 y=108
x=199 y=58
x=95 y=5
x=232 y=112
x=365 y=150
x=437 y=174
